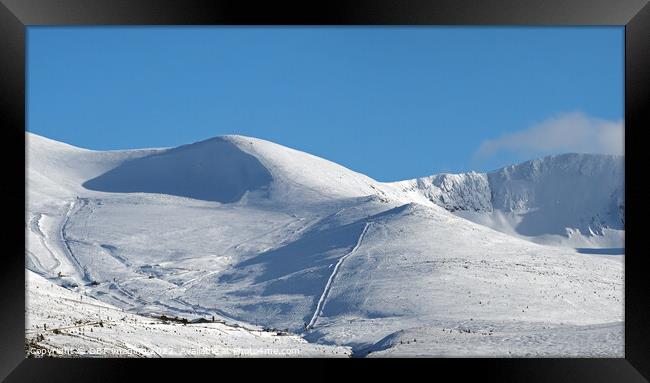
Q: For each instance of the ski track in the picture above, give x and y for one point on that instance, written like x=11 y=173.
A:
x=35 y=227
x=286 y=226
x=34 y=259
x=193 y=281
x=66 y=247
x=328 y=286
x=118 y=258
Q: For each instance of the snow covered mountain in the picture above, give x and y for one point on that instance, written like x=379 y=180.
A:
x=572 y=199
x=252 y=232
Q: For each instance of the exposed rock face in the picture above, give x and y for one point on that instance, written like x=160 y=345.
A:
x=469 y=191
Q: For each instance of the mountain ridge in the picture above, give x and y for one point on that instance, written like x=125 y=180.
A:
x=530 y=199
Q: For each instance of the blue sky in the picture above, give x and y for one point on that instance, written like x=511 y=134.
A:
x=391 y=102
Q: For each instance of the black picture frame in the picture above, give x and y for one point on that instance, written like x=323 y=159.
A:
x=16 y=15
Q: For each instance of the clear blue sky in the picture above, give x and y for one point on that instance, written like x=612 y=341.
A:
x=393 y=103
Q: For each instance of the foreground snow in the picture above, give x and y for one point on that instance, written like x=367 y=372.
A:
x=254 y=233
x=507 y=339
x=63 y=323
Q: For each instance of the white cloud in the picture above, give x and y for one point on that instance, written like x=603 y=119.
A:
x=570 y=132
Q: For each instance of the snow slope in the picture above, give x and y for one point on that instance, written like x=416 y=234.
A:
x=502 y=340
x=418 y=266
x=63 y=323
x=255 y=233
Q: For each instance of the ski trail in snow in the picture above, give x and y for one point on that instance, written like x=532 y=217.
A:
x=190 y=282
x=328 y=286
x=35 y=227
x=66 y=247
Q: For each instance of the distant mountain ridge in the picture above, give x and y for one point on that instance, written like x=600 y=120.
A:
x=553 y=195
